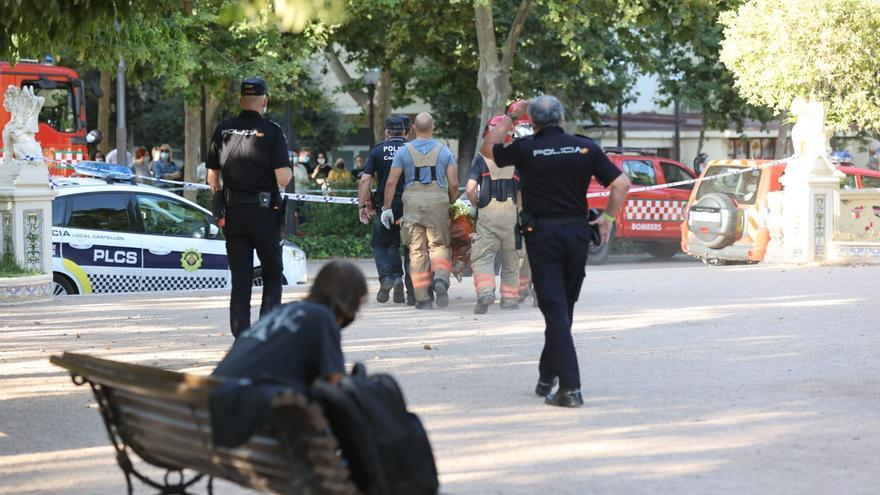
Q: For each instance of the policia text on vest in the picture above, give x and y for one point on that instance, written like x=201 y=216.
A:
x=250 y=154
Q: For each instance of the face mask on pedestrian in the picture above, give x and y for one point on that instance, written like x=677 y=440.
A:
x=163 y=155
x=322 y=161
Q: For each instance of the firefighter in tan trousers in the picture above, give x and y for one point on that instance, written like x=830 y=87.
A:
x=494 y=192
x=430 y=177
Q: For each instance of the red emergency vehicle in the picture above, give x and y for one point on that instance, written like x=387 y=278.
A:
x=652 y=217
x=63 y=116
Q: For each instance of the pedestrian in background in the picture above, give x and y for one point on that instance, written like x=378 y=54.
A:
x=166 y=168
x=555 y=169
x=250 y=153
x=322 y=166
x=430 y=177
x=358 y=167
x=339 y=173
x=140 y=168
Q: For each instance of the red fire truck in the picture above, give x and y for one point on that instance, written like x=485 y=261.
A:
x=652 y=217
x=63 y=117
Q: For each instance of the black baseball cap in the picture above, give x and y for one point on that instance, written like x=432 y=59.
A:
x=393 y=123
x=406 y=122
x=253 y=86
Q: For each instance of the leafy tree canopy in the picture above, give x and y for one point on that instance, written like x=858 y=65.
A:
x=825 y=50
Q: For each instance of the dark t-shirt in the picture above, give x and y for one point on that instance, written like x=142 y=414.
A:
x=294 y=344
x=248 y=149
x=555 y=169
x=500 y=189
x=379 y=166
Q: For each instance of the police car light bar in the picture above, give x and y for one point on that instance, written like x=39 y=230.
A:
x=101 y=170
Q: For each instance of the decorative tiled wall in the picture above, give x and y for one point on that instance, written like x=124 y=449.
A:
x=33 y=238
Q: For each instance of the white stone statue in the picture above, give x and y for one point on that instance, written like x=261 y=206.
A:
x=18 y=134
x=811 y=140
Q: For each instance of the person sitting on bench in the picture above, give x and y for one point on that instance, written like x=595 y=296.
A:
x=290 y=347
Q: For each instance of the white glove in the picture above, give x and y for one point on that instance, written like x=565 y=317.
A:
x=387 y=218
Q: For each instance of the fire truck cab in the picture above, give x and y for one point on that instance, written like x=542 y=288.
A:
x=62 y=120
x=652 y=217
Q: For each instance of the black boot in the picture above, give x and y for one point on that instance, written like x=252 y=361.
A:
x=384 y=289
x=545 y=386
x=483 y=304
x=398 y=291
x=440 y=293
x=410 y=300
x=565 y=397
x=424 y=305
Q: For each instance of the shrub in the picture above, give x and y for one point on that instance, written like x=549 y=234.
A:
x=333 y=231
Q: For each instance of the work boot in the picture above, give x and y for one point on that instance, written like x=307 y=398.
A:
x=545 y=386
x=384 y=289
x=565 y=397
x=410 y=299
x=509 y=304
x=483 y=303
x=441 y=293
x=398 y=291
x=424 y=305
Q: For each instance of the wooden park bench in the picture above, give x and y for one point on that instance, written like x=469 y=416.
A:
x=163 y=417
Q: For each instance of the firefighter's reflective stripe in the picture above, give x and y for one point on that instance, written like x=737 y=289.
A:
x=655 y=210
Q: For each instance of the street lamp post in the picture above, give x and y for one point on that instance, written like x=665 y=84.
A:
x=371 y=79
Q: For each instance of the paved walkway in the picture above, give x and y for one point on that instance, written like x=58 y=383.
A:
x=697 y=380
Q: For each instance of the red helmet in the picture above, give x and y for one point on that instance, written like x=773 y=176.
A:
x=494 y=121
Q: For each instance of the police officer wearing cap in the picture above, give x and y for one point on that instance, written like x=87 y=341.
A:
x=386 y=242
x=555 y=169
x=249 y=153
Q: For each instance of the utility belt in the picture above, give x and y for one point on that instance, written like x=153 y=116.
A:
x=271 y=200
x=530 y=223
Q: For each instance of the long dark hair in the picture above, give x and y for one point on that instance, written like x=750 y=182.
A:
x=340 y=286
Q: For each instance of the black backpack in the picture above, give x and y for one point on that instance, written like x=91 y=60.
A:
x=386 y=446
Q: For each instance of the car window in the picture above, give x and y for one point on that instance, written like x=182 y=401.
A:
x=99 y=211
x=640 y=172
x=848 y=182
x=674 y=173
x=742 y=187
x=59 y=107
x=869 y=182
x=58 y=211
x=168 y=216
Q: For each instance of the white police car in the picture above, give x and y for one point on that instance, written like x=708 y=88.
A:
x=111 y=237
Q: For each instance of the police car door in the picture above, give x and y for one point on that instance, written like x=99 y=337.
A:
x=182 y=250
x=97 y=241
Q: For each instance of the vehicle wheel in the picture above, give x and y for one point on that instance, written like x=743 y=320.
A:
x=663 y=250
x=599 y=254
x=62 y=286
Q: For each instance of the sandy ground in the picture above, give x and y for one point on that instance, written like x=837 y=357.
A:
x=697 y=380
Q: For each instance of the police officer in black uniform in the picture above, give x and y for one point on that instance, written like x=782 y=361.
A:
x=555 y=170
x=250 y=154
x=386 y=242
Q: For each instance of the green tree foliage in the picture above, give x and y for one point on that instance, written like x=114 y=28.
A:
x=824 y=50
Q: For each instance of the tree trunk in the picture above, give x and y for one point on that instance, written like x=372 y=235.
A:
x=782 y=138
x=467 y=147
x=212 y=112
x=359 y=96
x=493 y=76
x=104 y=111
x=382 y=103
x=702 y=137
x=192 y=126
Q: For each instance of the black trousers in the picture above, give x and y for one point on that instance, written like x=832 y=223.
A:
x=250 y=228
x=557 y=254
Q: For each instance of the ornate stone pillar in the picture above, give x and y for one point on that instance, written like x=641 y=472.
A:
x=810 y=185
x=25 y=193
